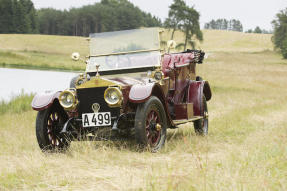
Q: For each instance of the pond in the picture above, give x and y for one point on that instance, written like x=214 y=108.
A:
x=15 y=81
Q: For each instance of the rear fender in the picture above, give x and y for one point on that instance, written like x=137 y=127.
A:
x=140 y=93
x=43 y=101
x=207 y=91
x=196 y=90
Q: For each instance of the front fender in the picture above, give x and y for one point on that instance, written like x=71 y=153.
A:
x=139 y=93
x=142 y=92
x=43 y=101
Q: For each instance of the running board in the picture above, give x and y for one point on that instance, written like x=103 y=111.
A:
x=178 y=122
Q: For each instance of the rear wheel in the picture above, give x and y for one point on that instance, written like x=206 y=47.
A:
x=49 y=124
x=201 y=126
x=151 y=124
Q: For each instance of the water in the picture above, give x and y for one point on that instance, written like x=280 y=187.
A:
x=15 y=81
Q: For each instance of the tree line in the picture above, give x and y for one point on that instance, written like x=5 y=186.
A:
x=224 y=24
x=258 y=30
x=20 y=16
x=233 y=25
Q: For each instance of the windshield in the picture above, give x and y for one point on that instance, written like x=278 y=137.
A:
x=138 y=48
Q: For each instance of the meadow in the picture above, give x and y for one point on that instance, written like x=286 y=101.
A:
x=48 y=52
x=246 y=148
x=44 y=52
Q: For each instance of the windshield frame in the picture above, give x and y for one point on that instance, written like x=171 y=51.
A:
x=155 y=55
x=128 y=52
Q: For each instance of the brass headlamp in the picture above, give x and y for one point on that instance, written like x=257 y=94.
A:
x=68 y=99
x=157 y=74
x=113 y=96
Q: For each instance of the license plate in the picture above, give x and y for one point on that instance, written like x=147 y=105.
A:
x=96 y=119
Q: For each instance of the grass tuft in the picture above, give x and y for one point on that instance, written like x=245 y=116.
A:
x=18 y=104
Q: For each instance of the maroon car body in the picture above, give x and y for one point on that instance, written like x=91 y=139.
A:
x=167 y=96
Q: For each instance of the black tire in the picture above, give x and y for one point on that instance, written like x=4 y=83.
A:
x=201 y=126
x=151 y=124
x=49 y=123
x=73 y=82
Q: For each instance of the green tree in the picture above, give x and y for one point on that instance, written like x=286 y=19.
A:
x=175 y=16
x=184 y=18
x=223 y=24
x=17 y=16
x=50 y=21
x=191 y=27
x=257 y=30
x=280 y=32
x=6 y=16
x=249 y=31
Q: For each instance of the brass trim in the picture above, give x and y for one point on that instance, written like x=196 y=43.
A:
x=178 y=122
x=158 y=127
x=161 y=73
x=96 y=82
x=206 y=115
x=77 y=81
x=152 y=75
x=129 y=52
x=96 y=107
x=119 y=103
x=75 y=100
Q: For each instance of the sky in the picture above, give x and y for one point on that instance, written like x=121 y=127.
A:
x=251 y=13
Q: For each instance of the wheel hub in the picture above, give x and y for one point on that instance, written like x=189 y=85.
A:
x=154 y=126
x=205 y=115
x=158 y=127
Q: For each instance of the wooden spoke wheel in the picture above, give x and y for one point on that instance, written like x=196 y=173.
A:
x=151 y=124
x=49 y=124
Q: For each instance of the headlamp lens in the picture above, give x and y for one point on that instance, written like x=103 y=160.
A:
x=113 y=96
x=68 y=99
x=158 y=75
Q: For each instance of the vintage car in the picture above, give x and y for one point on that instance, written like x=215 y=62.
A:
x=131 y=88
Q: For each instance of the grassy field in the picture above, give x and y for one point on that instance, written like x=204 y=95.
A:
x=41 y=51
x=48 y=52
x=228 y=41
x=246 y=148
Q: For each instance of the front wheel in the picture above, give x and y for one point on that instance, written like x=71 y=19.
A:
x=201 y=126
x=151 y=124
x=49 y=124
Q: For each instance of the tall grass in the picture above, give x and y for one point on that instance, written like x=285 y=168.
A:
x=245 y=148
x=18 y=104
